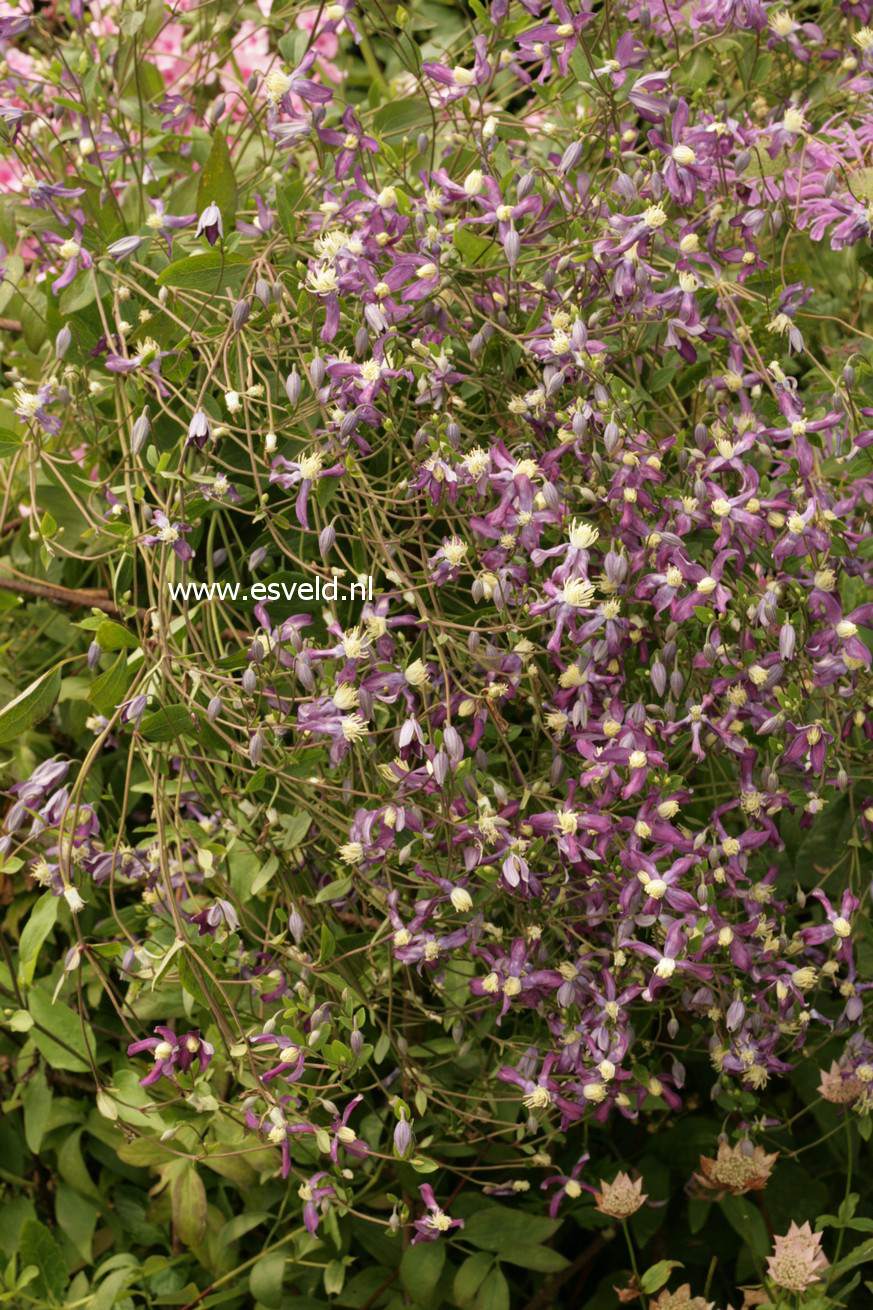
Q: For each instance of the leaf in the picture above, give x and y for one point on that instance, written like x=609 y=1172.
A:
x=470 y=1276
x=57 y=1033
x=334 y=891
x=189 y=1206
x=36 y=1098
x=77 y=1218
x=656 y=1276
x=471 y=246
x=288 y=198
x=746 y=1221
x=211 y=271
x=494 y=1293
x=113 y=636
x=421 y=1267
x=400 y=116
x=328 y=945
x=39 y=925
x=540 y=1258
x=30 y=707
x=36 y=1246
x=218 y=182
x=109 y=689
x=265 y=1280
x=497 y=1228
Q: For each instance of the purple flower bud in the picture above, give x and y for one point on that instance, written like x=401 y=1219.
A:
x=140 y=432
x=611 y=437
x=453 y=743
x=677 y=682
x=402 y=1139
x=63 y=341
x=356 y=1042
x=512 y=247
x=257 y=557
x=249 y=681
x=525 y=186
x=326 y=540
x=348 y=425
x=293 y=386
x=256 y=749
x=296 y=926
x=658 y=674
x=735 y=1015
x=199 y=429
x=787 y=641
x=571 y=157
x=213 y=709
x=848 y=377
x=216 y=110
x=122 y=248
x=440 y=767
x=94 y=653
x=317 y=371
x=673 y=1028
x=362 y=341
x=241 y=311
x=210 y=224
x=264 y=292
x=423 y=143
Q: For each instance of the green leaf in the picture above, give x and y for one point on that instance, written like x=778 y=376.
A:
x=77 y=1218
x=746 y=1220
x=36 y=1098
x=39 y=925
x=211 y=272
x=399 y=117
x=109 y=689
x=36 y=1246
x=218 y=182
x=30 y=707
x=470 y=1276
x=265 y=1280
x=57 y=1033
x=334 y=891
x=540 y=1258
x=112 y=636
x=328 y=945
x=494 y=1293
x=497 y=1228
x=471 y=246
x=188 y=1197
x=656 y=1276
x=288 y=198
x=420 y=1269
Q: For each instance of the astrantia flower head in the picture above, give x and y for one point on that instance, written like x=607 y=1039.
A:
x=621 y=1198
x=797 y=1261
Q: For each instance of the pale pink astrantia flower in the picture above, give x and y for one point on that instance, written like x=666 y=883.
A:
x=797 y=1260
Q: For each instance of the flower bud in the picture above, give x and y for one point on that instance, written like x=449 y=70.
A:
x=423 y=143
x=249 y=681
x=326 y=540
x=512 y=247
x=658 y=674
x=317 y=371
x=241 y=311
x=63 y=341
x=94 y=653
x=213 y=709
x=787 y=641
x=139 y=434
x=293 y=386
x=256 y=749
x=296 y=926
x=402 y=1139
